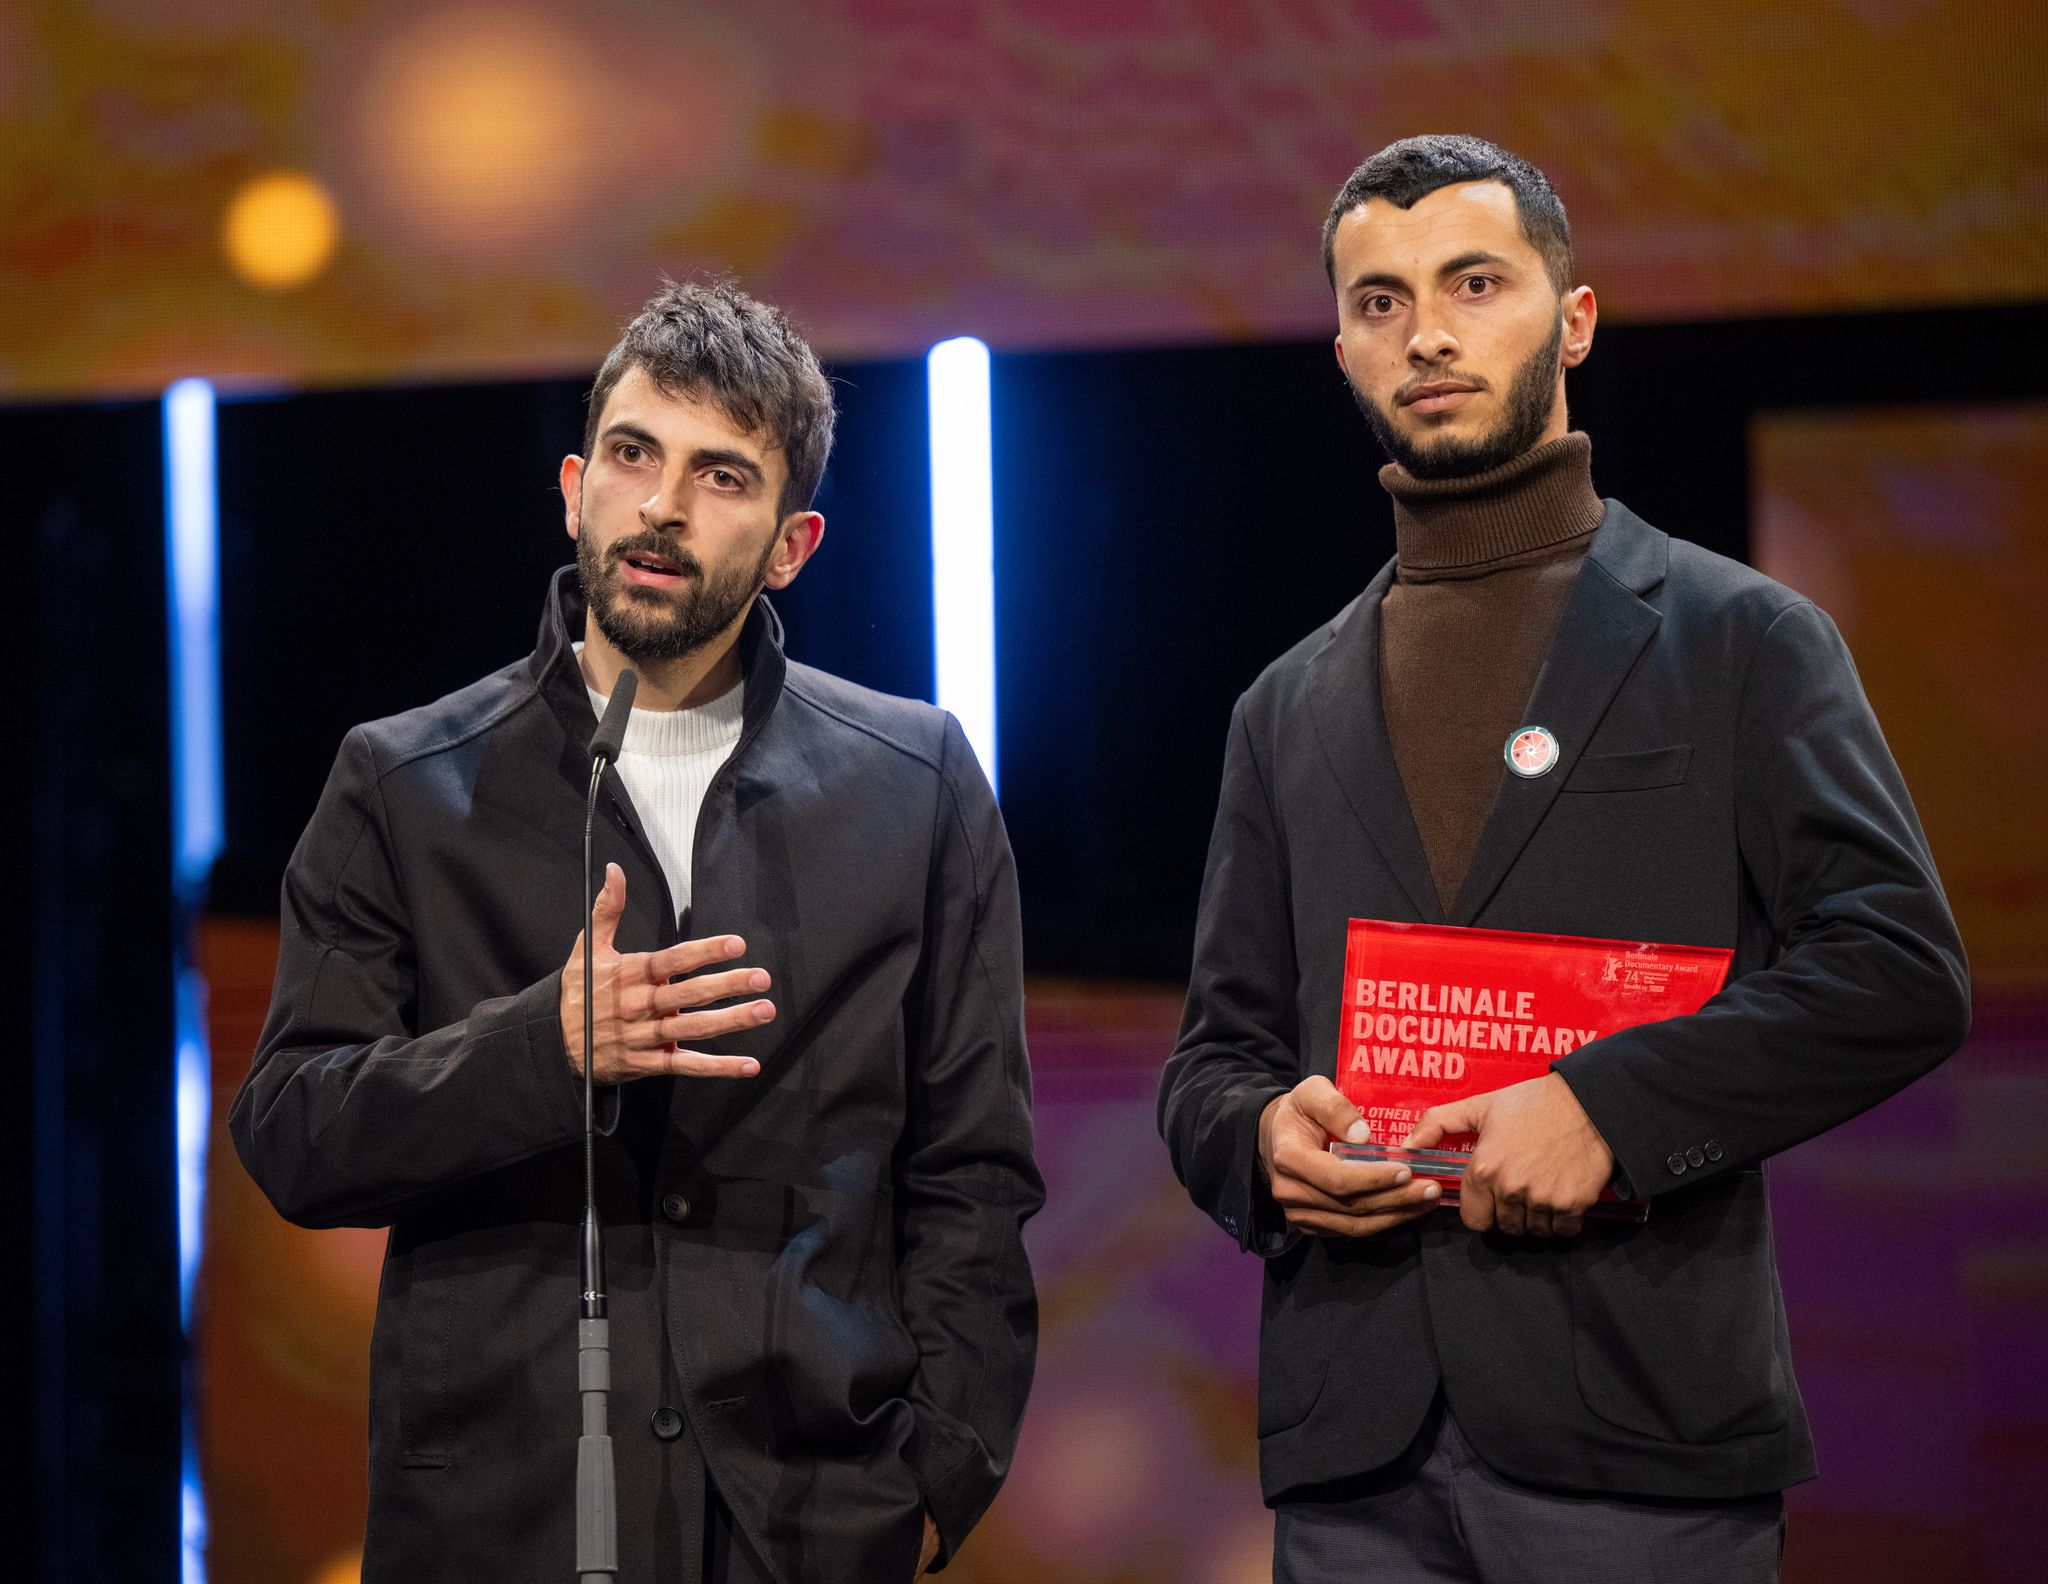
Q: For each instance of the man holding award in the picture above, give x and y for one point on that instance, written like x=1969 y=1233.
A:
x=1580 y=848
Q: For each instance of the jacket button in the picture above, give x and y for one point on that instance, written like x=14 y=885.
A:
x=1714 y=1151
x=1696 y=1156
x=675 y=1207
x=666 y=1424
x=1677 y=1165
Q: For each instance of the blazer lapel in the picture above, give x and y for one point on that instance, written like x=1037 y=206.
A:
x=1351 y=727
x=1604 y=627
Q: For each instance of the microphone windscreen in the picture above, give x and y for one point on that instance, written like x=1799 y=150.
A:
x=610 y=735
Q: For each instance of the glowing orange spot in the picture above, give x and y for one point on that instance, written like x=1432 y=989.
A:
x=344 y=1569
x=280 y=230
x=482 y=125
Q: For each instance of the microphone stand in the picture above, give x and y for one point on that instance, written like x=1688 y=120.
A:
x=597 y=1506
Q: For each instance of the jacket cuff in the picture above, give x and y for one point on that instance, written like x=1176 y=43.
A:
x=1248 y=1211
x=956 y=1500
x=1650 y=1156
x=539 y=1008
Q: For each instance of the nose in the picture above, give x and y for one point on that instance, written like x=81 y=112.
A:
x=666 y=509
x=1432 y=342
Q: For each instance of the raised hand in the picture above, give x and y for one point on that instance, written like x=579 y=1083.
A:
x=644 y=1023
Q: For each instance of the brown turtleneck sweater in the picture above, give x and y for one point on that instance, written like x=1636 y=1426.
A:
x=1483 y=565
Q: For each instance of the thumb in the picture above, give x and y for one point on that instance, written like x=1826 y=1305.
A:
x=609 y=908
x=1321 y=1101
x=1460 y=1116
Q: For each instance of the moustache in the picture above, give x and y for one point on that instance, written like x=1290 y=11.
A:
x=654 y=544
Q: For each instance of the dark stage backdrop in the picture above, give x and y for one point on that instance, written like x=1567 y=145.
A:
x=89 y=1334
x=1167 y=523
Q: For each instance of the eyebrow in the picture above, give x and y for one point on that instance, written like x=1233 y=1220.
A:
x=1458 y=265
x=719 y=456
x=621 y=430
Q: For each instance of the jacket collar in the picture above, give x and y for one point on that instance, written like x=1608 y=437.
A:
x=1351 y=726
x=558 y=676
x=1605 y=625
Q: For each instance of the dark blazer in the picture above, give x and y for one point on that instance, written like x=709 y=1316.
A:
x=819 y=1268
x=1721 y=782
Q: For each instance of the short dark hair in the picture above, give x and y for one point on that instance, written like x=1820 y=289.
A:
x=710 y=339
x=1406 y=172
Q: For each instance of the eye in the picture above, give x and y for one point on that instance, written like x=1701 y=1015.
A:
x=1378 y=305
x=1480 y=285
x=628 y=452
x=725 y=479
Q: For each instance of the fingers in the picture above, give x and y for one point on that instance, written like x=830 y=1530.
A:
x=1484 y=1206
x=1460 y=1116
x=670 y=1020
x=623 y=1065
x=1328 y=1182
x=667 y=999
x=1475 y=1203
x=701 y=1064
x=1358 y=1191
x=686 y=1028
x=608 y=909
x=687 y=957
x=1318 y=1099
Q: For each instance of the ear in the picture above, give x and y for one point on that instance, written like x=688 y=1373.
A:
x=1342 y=367
x=801 y=534
x=1581 y=313
x=572 y=495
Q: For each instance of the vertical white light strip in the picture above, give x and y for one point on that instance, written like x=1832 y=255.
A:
x=198 y=824
x=963 y=540
x=192 y=547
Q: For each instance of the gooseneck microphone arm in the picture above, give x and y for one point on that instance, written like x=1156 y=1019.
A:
x=597 y=1508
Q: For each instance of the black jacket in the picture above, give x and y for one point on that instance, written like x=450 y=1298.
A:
x=821 y=1268
x=1722 y=782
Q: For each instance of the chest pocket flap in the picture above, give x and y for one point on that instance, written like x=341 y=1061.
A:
x=1631 y=772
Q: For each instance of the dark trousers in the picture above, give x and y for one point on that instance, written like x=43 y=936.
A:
x=1442 y=1514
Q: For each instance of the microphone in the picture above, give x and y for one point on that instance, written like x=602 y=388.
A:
x=610 y=735
x=597 y=1508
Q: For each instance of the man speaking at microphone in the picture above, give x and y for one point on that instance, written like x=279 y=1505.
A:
x=816 y=1154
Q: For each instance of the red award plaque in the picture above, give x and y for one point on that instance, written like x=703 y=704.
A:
x=1433 y=1013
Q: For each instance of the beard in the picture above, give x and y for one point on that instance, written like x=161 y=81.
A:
x=1530 y=396
x=658 y=625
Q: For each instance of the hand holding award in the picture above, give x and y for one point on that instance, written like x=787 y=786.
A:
x=1319 y=1193
x=1539 y=1164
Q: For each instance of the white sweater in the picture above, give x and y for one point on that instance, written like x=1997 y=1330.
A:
x=667 y=763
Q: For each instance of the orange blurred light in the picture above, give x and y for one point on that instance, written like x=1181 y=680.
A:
x=483 y=123
x=280 y=230
x=345 y=1569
